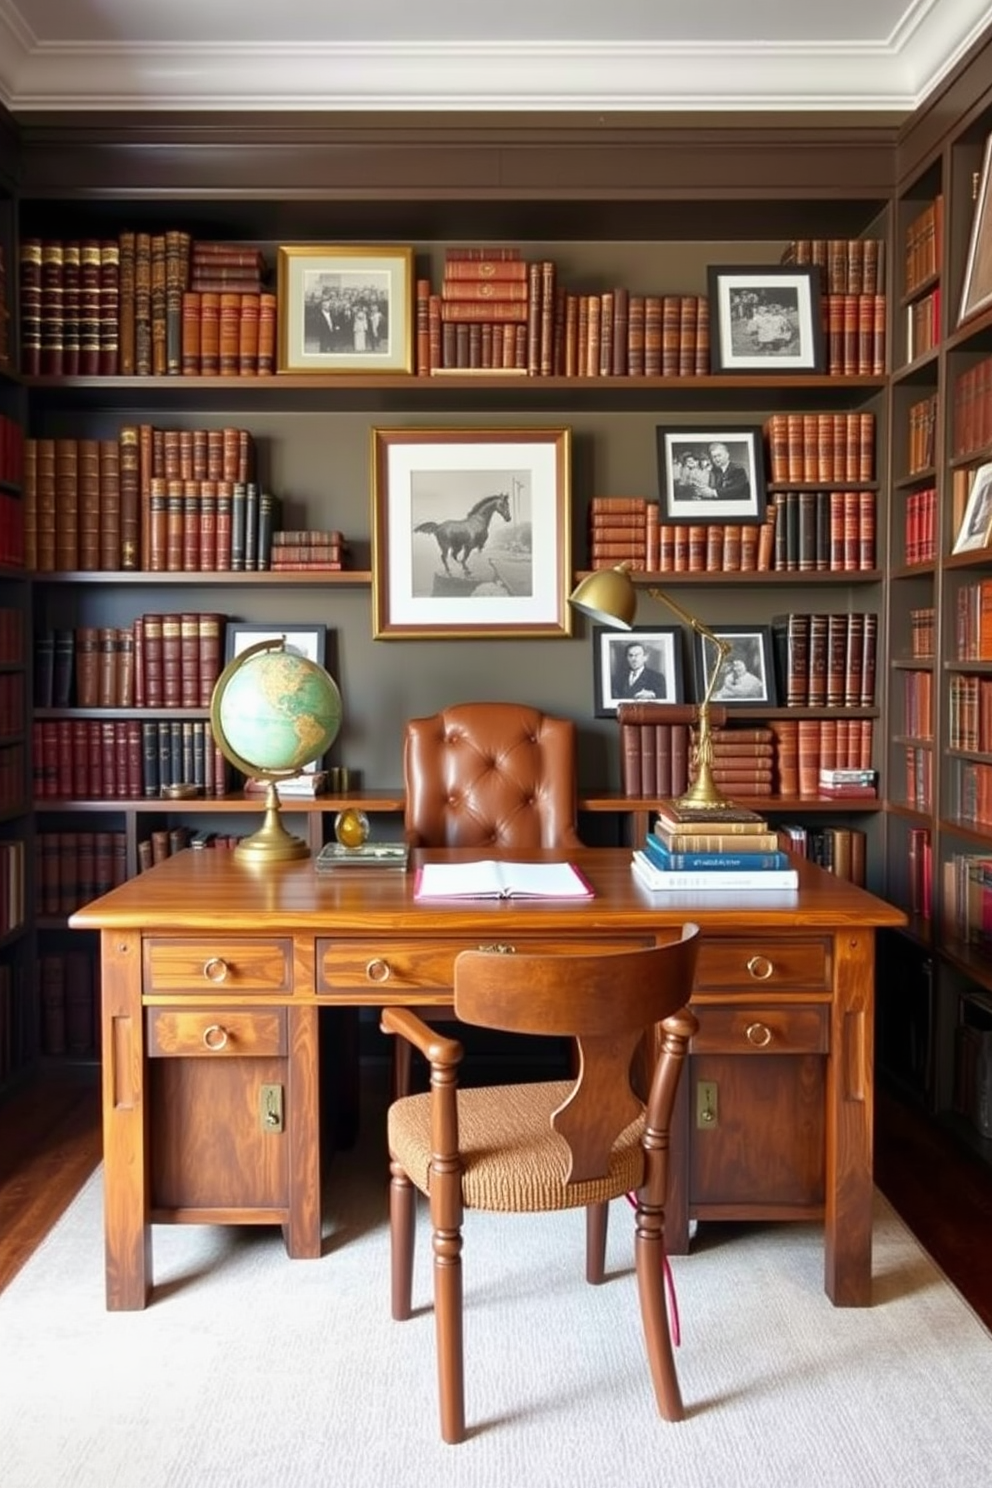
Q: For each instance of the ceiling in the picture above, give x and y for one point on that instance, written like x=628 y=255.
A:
x=451 y=54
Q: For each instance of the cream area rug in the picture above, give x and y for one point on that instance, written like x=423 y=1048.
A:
x=249 y=1370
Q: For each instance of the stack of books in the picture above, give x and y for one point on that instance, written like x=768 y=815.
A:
x=727 y=849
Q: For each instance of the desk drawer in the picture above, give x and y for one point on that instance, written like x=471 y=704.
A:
x=230 y=1033
x=204 y=963
x=789 y=965
x=394 y=967
x=761 y=1030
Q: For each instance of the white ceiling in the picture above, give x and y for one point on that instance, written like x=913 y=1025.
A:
x=459 y=55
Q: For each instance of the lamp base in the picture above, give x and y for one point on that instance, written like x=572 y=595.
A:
x=271 y=843
x=703 y=794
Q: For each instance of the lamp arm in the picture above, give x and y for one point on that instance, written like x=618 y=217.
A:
x=723 y=648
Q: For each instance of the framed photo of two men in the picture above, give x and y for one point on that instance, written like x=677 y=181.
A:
x=345 y=308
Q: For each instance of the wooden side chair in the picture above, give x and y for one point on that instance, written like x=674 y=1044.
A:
x=500 y=777
x=553 y=1145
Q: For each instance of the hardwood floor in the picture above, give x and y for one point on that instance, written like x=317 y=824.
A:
x=50 y=1142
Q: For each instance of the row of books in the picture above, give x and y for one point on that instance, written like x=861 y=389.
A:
x=808 y=758
x=12 y=895
x=168 y=660
x=12 y=711
x=824 y=531
x=82 y=759
x=12 y=631
x=973 y=621
x=12 y=549
x=228 y=334
x=922 y=419
x=918 y=765
x=923 y=325
x=971 y=410
x=840 y=850
x=69 y=994
x=924 y=245
x=917 y=704
x=115 y=306
x=12 y=778
x=848 y=265
x=301 y=549
x=922 y=632
x=826 y=660
x=17 y=1016
x=160 y=844
x=920 y=531
x=973 y=793
x=966 y=897
x=969 y=714
x=71 y=868
x=820 y=448
x=11 y=451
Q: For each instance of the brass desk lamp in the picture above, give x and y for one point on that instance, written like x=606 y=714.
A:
x=609 y=597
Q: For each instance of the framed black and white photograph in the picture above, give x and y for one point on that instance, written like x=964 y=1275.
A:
x=746 y=677
x=471 y=532
x=976 y=522
x=976 y=291
x=345 y=309
x=712 y=474
x=765 y=319
x=642 y=665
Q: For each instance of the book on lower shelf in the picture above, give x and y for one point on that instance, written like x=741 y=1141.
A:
x=491 y=878
x=720 y=880
x=335 y=857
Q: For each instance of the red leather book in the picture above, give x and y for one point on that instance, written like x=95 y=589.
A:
x=71 y=294
x=125 y=317
x=110 y=297
x=89 y=307
x=29 y=263
x=171 y=660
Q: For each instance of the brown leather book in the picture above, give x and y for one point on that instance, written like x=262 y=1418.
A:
x=51 y=307
x=171 y=660
x=635 y=336
x=143 y=304
x=209 y=334
x=210 y=653
x=66 y=505
x=107 y=668
x=208 y=526
x=87 y=667
x=29 y=263
x=266 y=334
x=688 y=314
x=191 y=527
x=88 y=454
x=671 y=314
x=621 y=311
x=190 y=350
x=110 y=297
x=71 y=296
x=125 y=319
x=189 y=659
x=469 y=310
x=90 y=309
x=152 y=662
x=174 y=521
x=653 y=335
x=125 y=667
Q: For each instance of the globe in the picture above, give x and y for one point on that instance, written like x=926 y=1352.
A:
x=273 y=712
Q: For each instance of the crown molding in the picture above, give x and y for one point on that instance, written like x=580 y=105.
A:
x=892 y=76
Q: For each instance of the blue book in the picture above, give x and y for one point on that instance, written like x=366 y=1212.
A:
x=659 y=854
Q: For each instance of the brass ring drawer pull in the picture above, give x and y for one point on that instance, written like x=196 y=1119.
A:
x=760 y=968
x=758 y=1034
x=216 y=969
x=378 y=970
x=215 y=1038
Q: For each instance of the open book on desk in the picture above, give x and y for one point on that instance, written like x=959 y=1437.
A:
x=491 y=878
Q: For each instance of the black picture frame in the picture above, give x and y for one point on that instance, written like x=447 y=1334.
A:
x=714 y=473
x=751 y=645
x=309 y=640
x=765 y=318
x=662 y=645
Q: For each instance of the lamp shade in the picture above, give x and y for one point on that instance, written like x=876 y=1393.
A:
x=609 y=596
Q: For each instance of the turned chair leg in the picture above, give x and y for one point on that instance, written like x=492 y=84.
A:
x=597 y=1216
x=402 y=1220
x=649 y=1255
x=448 y=1325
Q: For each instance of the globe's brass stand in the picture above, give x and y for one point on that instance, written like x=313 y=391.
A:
x=271 y=843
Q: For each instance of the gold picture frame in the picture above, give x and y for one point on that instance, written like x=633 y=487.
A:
x=345 y=308
x=471 y=532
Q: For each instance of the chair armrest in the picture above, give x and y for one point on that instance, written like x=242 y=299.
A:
x=433 y=1045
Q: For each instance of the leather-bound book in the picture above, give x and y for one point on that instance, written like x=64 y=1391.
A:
x=836 y=659
x=239 y=505
x=66 y=505
x=671 y=314
x=44 y=464
x=190 y=346
x=229 y=335
x=210 y=654
x=90 y=307
x=703 y=338
x=189 y=653
x=171 y=660
x=125 y=667
x=790 y=640
x=191 y=526
x=248 y=319
x=88 y=455
x=174 y=519
x=635 y=336
x=224 y=503
x=177 y=250
x=687 y=335
x=606 y=313
x=154 y=660
x=158 y=525
x=107 y=667
x=130 y=497
x=29 y=262
x=110 y=296
x=87 y=646
x=546 y=329
x=208 y=525
x=125 y=318
x=51 y=308
x=653 y=335
x=157 y=300
x=209 y=334
x=151 y=784
x=44 y=667
x=621 y=314
x=71 y=293
x=267 y=309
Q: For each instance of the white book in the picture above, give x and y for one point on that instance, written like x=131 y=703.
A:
x=727 y=880
x=491 y=878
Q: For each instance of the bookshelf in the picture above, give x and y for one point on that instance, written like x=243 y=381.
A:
x=935 y=1036
x=610 y=202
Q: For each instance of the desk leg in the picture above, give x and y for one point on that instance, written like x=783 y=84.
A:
x=302 y=1233
x=849 y=1184
x=127 y=1228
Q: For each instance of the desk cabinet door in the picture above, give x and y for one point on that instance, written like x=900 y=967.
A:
x=211 y=1153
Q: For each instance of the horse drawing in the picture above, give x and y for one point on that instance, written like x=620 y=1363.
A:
x=459 y=537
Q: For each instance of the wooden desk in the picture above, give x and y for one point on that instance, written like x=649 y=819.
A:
x=213 y=974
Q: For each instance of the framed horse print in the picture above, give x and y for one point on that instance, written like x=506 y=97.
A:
x=471 y=532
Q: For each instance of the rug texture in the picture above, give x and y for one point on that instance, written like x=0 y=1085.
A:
x=250 y=1369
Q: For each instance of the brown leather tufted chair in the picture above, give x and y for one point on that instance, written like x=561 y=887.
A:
x=497 y=776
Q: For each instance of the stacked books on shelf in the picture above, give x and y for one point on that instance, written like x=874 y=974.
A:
x=725 y=849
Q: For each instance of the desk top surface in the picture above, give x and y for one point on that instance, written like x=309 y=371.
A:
x=210 y=889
